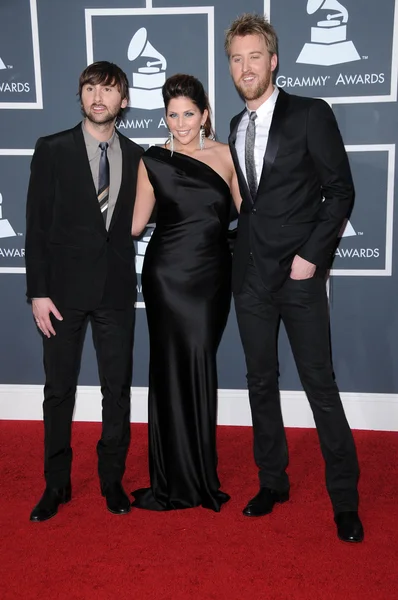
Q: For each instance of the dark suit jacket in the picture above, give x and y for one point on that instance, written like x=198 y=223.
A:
x=304 y=163
x=70 y=256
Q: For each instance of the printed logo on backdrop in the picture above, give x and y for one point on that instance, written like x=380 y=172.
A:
x=329 y=44
x=141 y=43
x=6 y=229
x=326 y=48
x=148 y=79
x=365 y=246
x=20 y=73
x=12 y=208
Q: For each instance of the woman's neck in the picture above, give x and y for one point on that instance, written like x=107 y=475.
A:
x=190 y=148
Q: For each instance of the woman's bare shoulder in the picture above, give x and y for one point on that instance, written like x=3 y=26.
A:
x=224 y=153
x=217 y=145
x=221 y=149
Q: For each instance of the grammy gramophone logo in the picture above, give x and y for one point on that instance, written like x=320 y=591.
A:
x=149 y=76
x=2 y=64
x=5 y=227
x=329 y=44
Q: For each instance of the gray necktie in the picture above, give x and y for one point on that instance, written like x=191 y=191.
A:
x=103 y=180
x=249 y=154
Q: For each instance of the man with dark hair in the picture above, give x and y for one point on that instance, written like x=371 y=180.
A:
x=80 y=267
x=296 y=189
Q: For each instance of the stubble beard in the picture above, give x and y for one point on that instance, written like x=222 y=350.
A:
x=257 y=92
x=103 y=119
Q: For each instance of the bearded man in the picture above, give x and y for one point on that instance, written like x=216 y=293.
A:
x=297 y=190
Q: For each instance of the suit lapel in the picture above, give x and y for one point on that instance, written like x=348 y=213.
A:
x=84 y=176
x=231 y=140
x=281 y=104
x=126 y=167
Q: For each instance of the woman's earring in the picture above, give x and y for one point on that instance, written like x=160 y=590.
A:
x=171 y=142
x=202 y=135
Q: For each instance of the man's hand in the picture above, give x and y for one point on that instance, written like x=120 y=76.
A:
x=42 y=307
x=301 y=268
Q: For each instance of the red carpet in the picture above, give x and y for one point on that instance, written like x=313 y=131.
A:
x=293 y=554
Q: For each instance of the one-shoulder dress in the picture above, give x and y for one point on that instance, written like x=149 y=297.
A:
x=186 y=283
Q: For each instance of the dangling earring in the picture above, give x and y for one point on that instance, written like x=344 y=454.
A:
x=202 y=136
x=171 y=142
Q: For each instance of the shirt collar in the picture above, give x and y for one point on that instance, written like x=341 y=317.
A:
x=266 y=107
x=92 y=143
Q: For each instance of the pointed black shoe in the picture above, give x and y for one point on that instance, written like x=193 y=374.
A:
x=349 y=526
x=263 y=503
x=117 y=501
x=48 y=504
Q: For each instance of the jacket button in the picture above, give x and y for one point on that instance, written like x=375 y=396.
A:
x=254 y=210
x=107 y=238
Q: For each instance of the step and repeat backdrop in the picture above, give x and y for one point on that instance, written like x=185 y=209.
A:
x=345 y=52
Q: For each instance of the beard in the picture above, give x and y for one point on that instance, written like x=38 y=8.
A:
x=256 y=92
x=101 y=119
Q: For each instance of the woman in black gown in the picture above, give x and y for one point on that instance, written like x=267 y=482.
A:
x=187 y=292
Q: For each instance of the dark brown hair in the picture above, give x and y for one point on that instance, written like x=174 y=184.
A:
x=105 y=73
x=251 y=24
x=188 y=86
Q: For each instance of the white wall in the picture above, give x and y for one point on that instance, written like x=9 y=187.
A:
x=364 y=411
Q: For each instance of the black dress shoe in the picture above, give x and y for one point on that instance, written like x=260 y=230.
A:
x=263 y=503
x=47 y=506
x=117 y=501
x=349 y=526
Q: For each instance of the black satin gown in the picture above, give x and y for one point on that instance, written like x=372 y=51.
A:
x=186 y=282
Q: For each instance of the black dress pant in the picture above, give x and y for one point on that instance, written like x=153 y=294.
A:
x=303 y=307
x=113 y=341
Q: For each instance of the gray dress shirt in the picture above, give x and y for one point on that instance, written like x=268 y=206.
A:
x=115 y=166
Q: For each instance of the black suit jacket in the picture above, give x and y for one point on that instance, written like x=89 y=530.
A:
x=70 y=256
x=304 y=195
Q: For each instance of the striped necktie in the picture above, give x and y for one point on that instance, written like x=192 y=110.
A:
x=251 y=174
x=103 y=180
